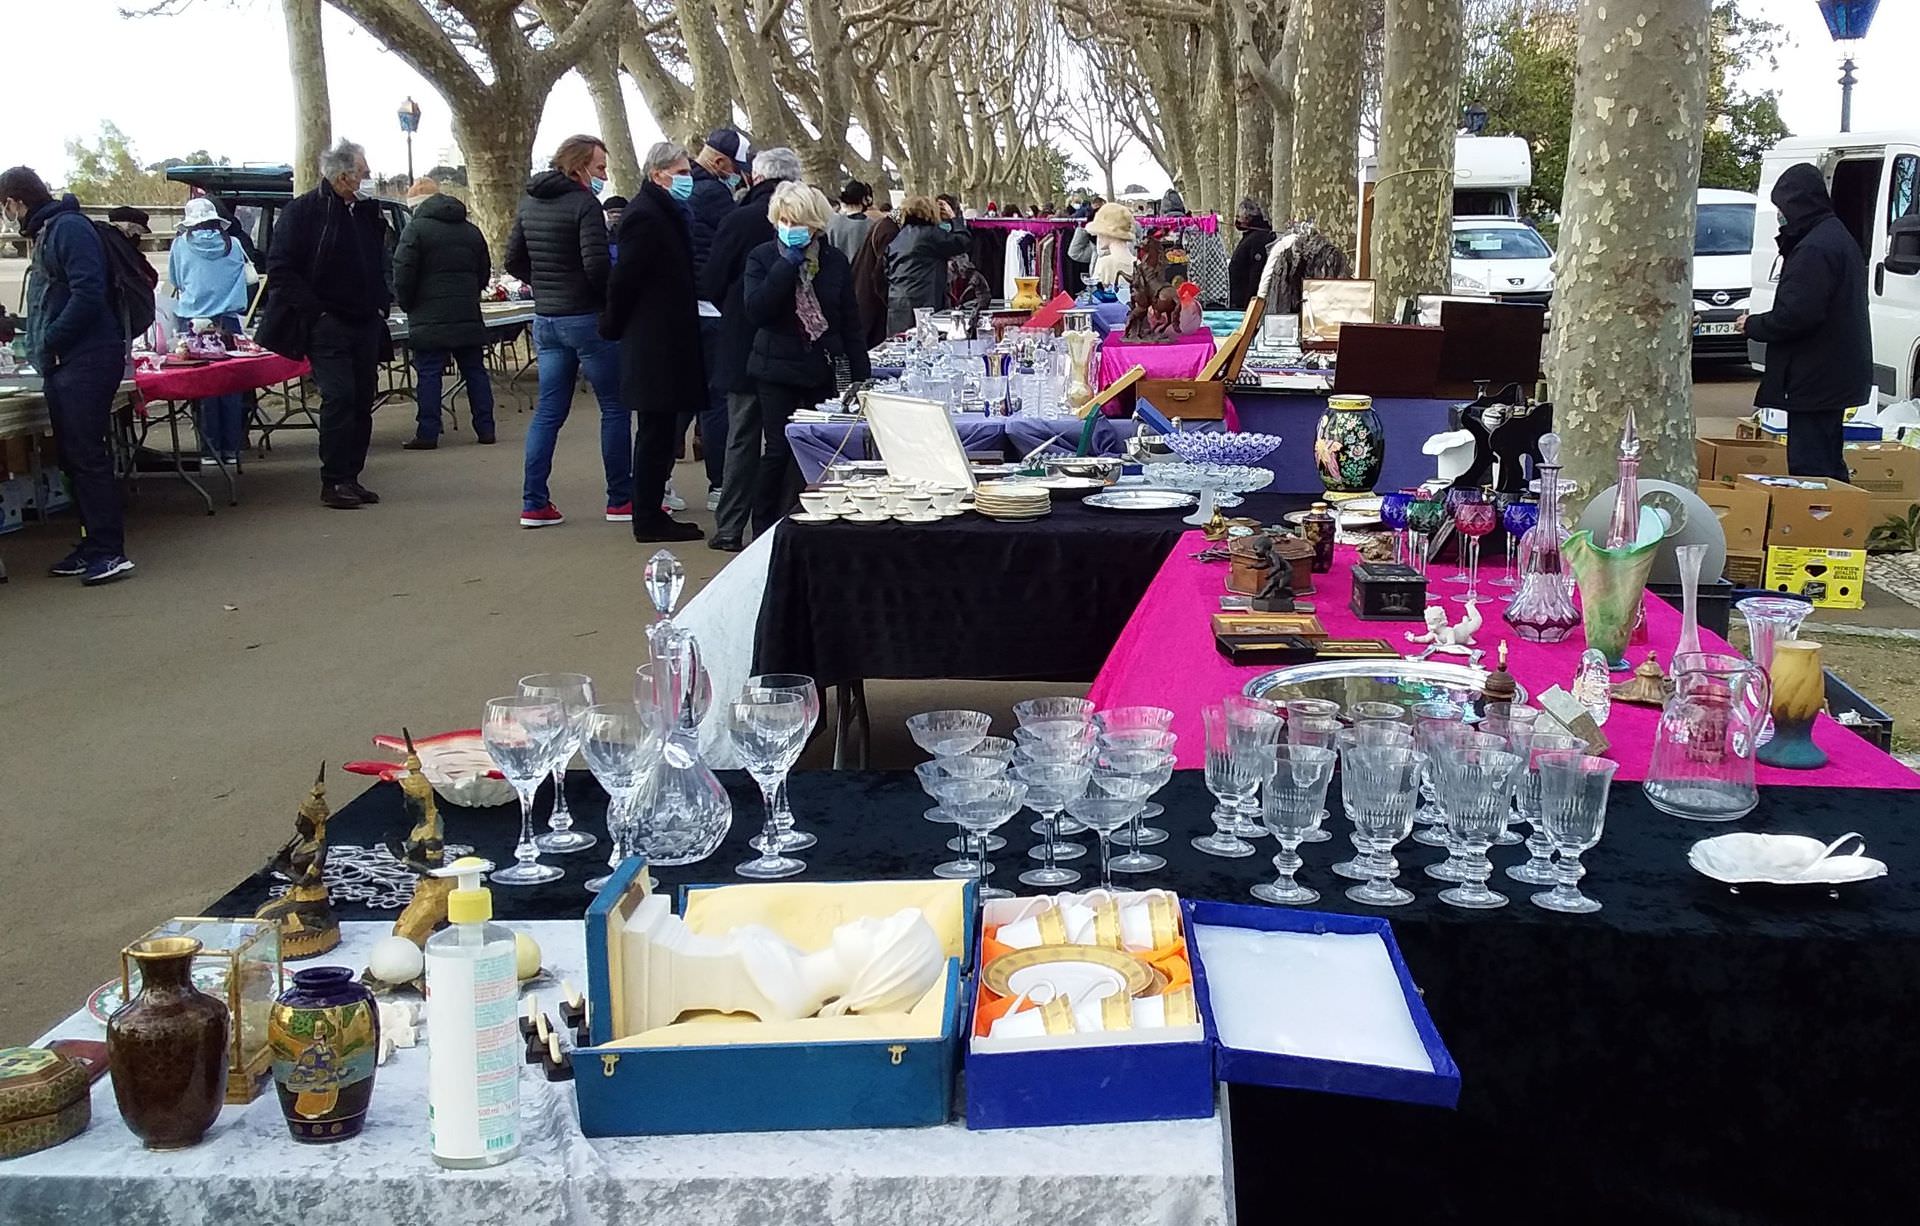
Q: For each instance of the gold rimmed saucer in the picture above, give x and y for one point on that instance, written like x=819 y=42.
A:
x=1137 y=975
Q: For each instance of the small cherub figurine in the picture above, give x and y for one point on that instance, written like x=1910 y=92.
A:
x=1442 y=639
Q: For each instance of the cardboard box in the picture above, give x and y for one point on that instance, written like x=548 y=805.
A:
x=1743 y=512
x=1723 y=458
x=1808 y=512
x=1830 y=578
x=1885 y=470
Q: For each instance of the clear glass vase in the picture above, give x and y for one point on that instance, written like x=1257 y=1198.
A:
x=1771 y=620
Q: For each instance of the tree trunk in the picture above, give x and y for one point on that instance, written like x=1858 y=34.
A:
x=1413 y=205
x=602 y=76
x=1106 y=171
x=1286 y=68
x=312 y=113
x=1623 y=300
x=1256 y=142
x=498 y=144
x=1326 y=133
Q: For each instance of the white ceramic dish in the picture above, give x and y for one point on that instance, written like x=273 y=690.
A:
x=808 y=517
x=1784 y=859
x=1139 y=500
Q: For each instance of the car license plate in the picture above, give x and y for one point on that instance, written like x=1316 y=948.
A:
x=1718 y=329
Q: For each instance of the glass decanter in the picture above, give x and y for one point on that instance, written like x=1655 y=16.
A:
x=1542 y=610
x=691 y=813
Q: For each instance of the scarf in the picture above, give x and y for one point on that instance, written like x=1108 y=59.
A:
x=806 y=304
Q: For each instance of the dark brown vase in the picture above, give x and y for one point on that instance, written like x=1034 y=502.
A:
x=167 y=1049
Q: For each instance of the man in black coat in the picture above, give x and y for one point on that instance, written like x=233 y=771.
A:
x=327 y=300
x=721 y=283
x=653 y=311
x=1249 y=254
x=721 y=170
x=440 y=269
x=1818 y=338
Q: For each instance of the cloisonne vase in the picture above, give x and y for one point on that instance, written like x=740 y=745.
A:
x=324 y=1033
x=167 y=1048
x=1349 y=446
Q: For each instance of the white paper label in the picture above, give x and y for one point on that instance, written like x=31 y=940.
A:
x=473 y=1056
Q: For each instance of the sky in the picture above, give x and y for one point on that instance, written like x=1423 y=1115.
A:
x=214 y=77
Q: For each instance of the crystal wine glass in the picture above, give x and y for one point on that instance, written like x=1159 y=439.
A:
x=1050 y=785
x=573 y=691
x=1292 y=805
x=521 y=735
x=1516 y=516
x=982 y=812
x=1447 y=744
x=1474 y=518
x=1240 y=748
x=1138 y=834
x=1138 y=773
x=1379 y=787
x=1424 y=517
x=1538 y=868
x=1247 y=823
x=1376 y=712
x=769 y=729
x=1518 y=736
x=1429 y=719
x=1374 y=735
x=799 y=683
x=1573 y=805
x=1393 y=513
x=622 y=749
x=946 y=733
x=1476 y=789
x=1103 y=815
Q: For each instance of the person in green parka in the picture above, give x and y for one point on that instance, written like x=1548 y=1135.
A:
x=440 y=269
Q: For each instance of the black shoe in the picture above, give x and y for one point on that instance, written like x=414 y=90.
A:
x=725 y=544
x=420 y=444
x=664 y=528
x=485 y=440
x=363 y=493
x=340 y=498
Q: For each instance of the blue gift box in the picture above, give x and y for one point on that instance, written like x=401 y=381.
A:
x=1176 y=1080
x=755 y=1087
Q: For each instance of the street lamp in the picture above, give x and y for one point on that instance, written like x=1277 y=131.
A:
x=409 y=123
x=1847 y=22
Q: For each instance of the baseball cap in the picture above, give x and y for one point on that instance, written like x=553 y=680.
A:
x=734 y=145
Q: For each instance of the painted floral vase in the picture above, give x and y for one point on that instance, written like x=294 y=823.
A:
x=1349 y=446
x=167 y=1048
x=324 y=1033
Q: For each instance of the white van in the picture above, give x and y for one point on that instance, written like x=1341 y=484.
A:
x=1722 y=269
x=1875 y=182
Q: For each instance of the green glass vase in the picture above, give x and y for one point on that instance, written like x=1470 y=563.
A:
x=1612 y=584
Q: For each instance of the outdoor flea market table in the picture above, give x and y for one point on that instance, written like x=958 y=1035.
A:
x=167 y=396
x=1684 y=1054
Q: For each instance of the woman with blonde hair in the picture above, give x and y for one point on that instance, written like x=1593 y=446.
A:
x=799 y=298
x=930 y=234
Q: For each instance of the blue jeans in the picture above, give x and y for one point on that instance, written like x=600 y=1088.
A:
x=565 y=345
x=713 y=418
x=429 y=365
x=222 y=420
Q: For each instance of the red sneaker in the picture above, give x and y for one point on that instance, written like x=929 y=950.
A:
x=545 y=517
x=622 y=514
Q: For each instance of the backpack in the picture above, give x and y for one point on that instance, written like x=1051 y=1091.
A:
x=130 y=279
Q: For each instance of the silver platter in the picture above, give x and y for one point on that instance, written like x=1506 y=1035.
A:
x=1139 y=500
x=1350 y=681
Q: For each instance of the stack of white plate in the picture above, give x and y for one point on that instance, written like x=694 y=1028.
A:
x=1012 y=501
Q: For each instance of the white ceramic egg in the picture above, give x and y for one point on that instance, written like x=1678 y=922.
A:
x=395 y=959
x=526 y=955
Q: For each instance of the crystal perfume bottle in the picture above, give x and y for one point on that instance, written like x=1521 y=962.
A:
x=1542 y=610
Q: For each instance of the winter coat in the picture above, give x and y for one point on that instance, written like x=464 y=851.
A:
x=439 y=271
x=329 y=256
x=917 y=264
x=781 y=351
x=870 y=279
x=848 y=231
x=724 y=279
x=1818 y=338
x=653 y=308
x=69 y=302
x=1244 y=269
x=207 y=268
x=558 y=245
x=711 y=204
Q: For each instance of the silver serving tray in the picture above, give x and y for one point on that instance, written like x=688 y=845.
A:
x=1351 y=681
x=1138 y=500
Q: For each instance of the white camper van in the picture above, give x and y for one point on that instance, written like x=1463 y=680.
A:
x=1722 y=269
x=1875 y=182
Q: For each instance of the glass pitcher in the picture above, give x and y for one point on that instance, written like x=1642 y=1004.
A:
x=1702 y=762
x=691 y=811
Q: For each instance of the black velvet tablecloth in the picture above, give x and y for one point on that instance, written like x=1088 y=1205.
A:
x=1685 y=1055
x=968 y=597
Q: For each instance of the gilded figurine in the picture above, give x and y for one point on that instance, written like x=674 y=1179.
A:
x=308 y=925
x=424 y=851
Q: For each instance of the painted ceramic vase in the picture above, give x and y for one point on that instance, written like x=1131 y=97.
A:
x=1799 y=694
x=325 y=1035
x=1349 y=446
x=167 y=1048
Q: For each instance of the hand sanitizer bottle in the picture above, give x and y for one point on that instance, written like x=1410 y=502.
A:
x=473 y=1052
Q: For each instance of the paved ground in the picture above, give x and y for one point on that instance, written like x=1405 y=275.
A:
x=161 y=732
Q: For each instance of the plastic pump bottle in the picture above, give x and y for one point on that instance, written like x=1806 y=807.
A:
x=473 y=1056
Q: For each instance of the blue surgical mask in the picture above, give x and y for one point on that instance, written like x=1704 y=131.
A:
x=597 y=185
x=733 y=180
x=946 y=225
x=794 y=236
x=681 y=188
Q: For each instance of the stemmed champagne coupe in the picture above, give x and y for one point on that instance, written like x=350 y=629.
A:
x=1138 y=773
x=1049 y=786
x=521 y=735
x=1103 y=815
x=574 y=692
x=988 y=806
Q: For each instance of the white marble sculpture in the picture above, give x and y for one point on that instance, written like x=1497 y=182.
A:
x=1442 y=639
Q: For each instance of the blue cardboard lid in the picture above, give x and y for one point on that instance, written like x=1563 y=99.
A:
x=1438 y=1088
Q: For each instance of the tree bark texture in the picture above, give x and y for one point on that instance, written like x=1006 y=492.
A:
x=312 y=111
x=1286 y=72
x=1256 y=144
x=599 y=68
x=498 y=144
x=1413 y=204
x=1326 y=133
x=1623 y=278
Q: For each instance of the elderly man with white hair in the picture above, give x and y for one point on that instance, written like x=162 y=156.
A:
x=327 y=300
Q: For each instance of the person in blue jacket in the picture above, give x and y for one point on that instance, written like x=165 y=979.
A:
x=208 y=271
x=77 y=340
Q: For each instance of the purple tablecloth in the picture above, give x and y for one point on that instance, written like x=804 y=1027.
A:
x=817 y=444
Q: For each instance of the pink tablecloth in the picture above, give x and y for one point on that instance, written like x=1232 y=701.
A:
x=1175 y=359
x=1166 y=657
x=217 y=378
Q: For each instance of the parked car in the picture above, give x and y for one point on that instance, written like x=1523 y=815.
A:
x=1502 y=259
x=1722 y=269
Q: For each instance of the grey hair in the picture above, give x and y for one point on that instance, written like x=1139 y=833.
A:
x=664 y=154
x=341 y=159
x=778 y=164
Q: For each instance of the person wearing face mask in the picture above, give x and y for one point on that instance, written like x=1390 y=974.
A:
x=652 y=311
x=930 y=235
x=1818 y=335
x=327 y=300
x=208 y=272
x=76 y=340
x=719 y=178
x=1249 y=254
x=559 y=245
x=799 y=298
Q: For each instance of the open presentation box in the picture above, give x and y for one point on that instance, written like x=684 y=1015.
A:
x=1287 y=999
x=735 y=1074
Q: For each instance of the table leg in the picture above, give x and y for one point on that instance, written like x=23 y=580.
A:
x=851 y=736
x=179 y=465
